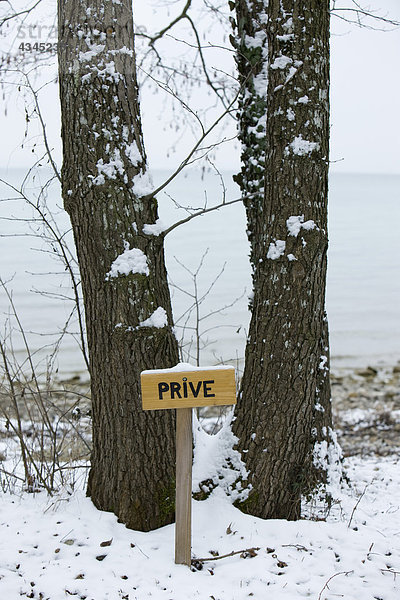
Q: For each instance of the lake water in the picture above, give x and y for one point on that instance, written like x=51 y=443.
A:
x=363 y=295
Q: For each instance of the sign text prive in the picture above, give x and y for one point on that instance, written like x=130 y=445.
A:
x=186 y=389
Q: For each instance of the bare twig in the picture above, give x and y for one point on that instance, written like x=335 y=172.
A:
x=250 y=551
x=356 y=504
x=326 y=586
x=43 y=125
x=18 y=429
x=392 y=571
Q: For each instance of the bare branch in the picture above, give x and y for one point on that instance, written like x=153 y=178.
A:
x=19 y=14
x=195 y=148
x=200 y=213
x=246 y=551
x=359 y=15
x=183 y=15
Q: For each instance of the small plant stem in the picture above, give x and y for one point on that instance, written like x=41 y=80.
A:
x=18 y=429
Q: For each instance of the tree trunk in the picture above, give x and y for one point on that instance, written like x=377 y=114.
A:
x=127 y=303
x=284 y=403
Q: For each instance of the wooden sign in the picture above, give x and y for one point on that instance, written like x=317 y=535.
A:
x=175 y=388
x=184 y=387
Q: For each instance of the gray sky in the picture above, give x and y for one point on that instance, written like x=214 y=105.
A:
x=365 y=91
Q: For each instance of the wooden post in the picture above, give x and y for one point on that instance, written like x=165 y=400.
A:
x=183 y=499
x=185 y=387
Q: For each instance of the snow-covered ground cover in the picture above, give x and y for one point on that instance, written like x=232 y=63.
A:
x=63 y=547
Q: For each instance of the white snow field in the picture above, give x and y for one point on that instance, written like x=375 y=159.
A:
x=63 y=547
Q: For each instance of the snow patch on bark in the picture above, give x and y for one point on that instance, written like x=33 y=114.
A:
x=323 y=365
x=155 y=229
x=130 y=261
x=110 y=170
x=295 y=223
x=108 y=72
x=281 y=62
x=287 y=37
x=158 y=319
x=302 y=147
x=257 y=41
x=133 y=154
x=276 y=249
x=94 y=50
x=288 y=26
x=123 y=50
x=142 y=184
x=290 y=114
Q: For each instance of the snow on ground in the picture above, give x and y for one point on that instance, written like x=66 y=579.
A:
x=57 y=548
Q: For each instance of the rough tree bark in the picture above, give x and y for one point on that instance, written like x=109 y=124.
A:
x=127 y=304
x=283 y=417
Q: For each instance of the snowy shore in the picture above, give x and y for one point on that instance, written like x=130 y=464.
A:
x=366 y=410
x=365 y=405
